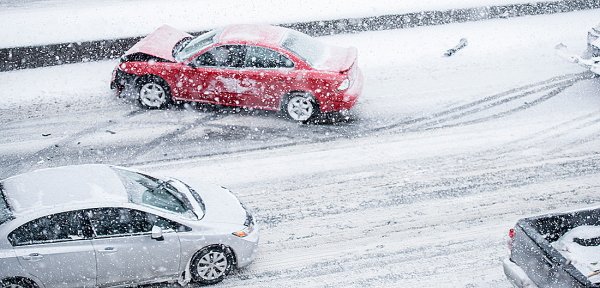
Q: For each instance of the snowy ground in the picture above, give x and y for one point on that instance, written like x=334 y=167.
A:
x=35 y=22
x=417 y=189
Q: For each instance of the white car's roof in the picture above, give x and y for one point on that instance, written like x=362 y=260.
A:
x=69 y=185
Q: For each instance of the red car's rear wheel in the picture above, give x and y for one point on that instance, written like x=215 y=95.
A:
x=300 y=107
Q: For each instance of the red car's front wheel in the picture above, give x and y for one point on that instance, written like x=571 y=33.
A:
x=153 y=93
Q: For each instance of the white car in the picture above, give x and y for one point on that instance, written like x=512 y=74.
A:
x=593 y=43
x=99 y=225
x=591 y=57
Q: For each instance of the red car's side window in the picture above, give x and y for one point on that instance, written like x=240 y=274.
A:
x=222 y=56
x=260 y=57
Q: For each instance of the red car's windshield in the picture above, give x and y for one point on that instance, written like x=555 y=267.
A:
x=192 y=47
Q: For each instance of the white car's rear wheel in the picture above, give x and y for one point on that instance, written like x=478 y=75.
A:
x=211 y=265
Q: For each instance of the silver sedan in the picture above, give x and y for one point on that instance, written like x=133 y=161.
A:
x=99 y=225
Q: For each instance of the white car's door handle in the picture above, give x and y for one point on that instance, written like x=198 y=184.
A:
x=109 y=250
x=33 y=257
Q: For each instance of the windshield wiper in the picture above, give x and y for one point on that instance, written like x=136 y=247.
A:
x=181 y=196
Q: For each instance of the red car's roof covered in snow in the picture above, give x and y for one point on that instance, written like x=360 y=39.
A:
x=264 y=34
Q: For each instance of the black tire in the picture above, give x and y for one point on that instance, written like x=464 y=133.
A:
x=211 y=264
x=300 y=107
x=153 y=92
x=17 y=283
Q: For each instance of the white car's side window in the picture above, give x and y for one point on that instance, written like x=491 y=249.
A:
x=67 y=226
x=115 y=222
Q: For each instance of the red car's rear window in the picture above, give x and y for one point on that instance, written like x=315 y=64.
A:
x=305 y=47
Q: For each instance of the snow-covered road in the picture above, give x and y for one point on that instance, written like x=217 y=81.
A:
x=418 y=188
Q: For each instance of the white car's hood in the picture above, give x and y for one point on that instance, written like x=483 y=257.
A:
x=221 y=206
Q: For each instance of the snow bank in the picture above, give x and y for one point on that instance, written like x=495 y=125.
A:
x=61 y=21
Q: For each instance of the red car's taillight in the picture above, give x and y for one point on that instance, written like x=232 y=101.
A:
x=344 y=85
x=511 y=237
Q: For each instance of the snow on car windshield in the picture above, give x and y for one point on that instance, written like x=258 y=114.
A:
x=5 y=214
x=306 y=47
x=145 y=190
x=196 y=45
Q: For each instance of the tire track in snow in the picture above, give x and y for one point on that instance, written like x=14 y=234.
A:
x=560 y=130
x=389 y=191
x=567 y=129
x=184 y=148
x=315 y=264
x=437 y=120
x=560 y=83
x=19 y=164
x=558 y=89
x=63 y=151
x=155 y=143
x=582 y=140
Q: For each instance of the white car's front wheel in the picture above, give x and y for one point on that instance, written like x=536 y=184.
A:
x=211 y=265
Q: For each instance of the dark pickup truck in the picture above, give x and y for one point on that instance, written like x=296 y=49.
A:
x=535 y=260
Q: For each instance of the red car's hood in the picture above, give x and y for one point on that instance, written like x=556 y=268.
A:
x=337 y=59
x=159 y=43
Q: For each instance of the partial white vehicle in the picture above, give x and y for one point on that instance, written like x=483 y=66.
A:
x=591 y=57
x=100 y=225
x=593 y=43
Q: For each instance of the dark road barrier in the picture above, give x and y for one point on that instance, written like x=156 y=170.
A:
x=76 y=52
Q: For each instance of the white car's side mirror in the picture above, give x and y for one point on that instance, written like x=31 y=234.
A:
x=157 y=233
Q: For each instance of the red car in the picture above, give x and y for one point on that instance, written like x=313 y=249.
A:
x=250 y=66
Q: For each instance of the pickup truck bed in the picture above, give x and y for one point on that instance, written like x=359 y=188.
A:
x=535 y=262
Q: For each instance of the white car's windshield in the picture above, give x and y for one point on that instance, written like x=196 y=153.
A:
x=193 y=46
x=306 y=47
x=5 y=213
x=145 y=190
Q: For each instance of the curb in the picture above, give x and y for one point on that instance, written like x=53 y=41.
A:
x=65 y=53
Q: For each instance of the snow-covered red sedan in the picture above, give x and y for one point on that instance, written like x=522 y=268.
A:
x=251 y=66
